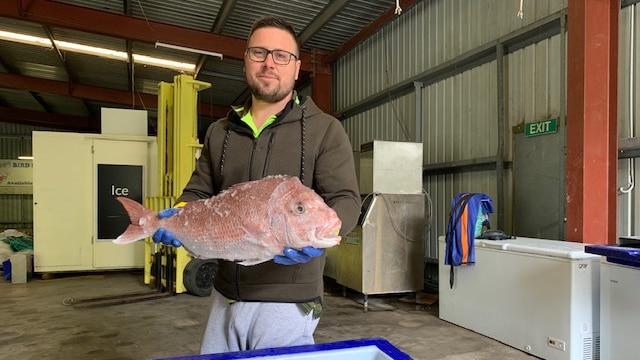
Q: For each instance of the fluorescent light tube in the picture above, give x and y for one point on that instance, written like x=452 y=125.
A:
x=25 y=39
x=148 y=60
x=101 y=52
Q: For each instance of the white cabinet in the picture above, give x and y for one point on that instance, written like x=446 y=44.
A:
x=619 y=297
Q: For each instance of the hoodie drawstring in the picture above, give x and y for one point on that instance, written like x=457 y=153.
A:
x=303 y=138
x=224 y=150
x=303 y=144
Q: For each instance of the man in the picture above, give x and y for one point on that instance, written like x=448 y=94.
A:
x=276 y=303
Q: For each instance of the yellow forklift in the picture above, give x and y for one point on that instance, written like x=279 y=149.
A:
x=178 y=149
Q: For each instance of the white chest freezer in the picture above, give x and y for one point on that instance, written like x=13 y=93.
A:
x=620 y=312
x=539 y=296
x=619 y=299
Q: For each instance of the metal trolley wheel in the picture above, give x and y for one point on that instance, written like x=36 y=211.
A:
x=198 y=276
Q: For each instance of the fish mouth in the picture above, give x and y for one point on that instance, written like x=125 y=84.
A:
x=326 y=242
x=328 y=235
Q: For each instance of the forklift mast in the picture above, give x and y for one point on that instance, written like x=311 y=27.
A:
x=177 y=149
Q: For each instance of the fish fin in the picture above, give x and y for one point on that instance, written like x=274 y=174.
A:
x=133 y=233
x=139 y=228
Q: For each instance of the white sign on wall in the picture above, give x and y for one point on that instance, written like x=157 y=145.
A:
x=16 y=176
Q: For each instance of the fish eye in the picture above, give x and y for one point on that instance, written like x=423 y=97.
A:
x=299 y=208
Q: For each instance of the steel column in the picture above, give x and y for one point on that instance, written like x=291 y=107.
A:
x=591 y=156
x=321 y=90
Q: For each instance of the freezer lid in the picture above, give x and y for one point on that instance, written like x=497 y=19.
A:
x=624 y=255
x=554 y=248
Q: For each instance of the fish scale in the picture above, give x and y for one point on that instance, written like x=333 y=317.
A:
x=250 y=222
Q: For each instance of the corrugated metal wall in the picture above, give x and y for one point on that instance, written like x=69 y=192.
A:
x=460 y=121
x=460 y=106
x=393 y=121
x=628 y=119
x=16 y=211
x=429 y=34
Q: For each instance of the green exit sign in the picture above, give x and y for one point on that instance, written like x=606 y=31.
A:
x=541 y=127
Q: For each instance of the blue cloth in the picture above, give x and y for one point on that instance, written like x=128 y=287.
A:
x=6 y=269
x=465 y=207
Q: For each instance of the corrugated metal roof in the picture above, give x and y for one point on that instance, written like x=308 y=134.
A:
x=355 y=16
x=72 y=106
x=327 y=26
x=19 y=100
x=31 y=60
x=246 y=11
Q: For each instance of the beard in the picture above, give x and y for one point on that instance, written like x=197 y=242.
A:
x=268 y=94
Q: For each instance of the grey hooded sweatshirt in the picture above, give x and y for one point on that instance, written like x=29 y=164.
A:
x=303 y=141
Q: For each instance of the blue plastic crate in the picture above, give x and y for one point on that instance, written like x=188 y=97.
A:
x=363 y=349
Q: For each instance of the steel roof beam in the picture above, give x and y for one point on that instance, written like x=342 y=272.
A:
x=223 y=15
x=221 y=19
x=319 y=21
x=70 y=75
x=95 y=93
x=12 y=70
x=47 y=30
x=126 y=9
x=38 y=118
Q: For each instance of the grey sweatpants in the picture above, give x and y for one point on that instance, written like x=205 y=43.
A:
x=243 y=326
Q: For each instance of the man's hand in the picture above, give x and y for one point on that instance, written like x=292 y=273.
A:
x=162 y=236
x=292 y=256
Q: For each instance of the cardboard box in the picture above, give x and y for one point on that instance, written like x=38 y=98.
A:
x=21 y=267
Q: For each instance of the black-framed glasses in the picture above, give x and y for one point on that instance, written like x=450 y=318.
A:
x=280 y=57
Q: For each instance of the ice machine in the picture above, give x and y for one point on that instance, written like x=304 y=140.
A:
x=385 y=252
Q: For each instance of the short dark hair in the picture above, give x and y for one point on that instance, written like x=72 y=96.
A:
x=275 y=22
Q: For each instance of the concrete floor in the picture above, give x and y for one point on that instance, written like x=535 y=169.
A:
x=35 y=325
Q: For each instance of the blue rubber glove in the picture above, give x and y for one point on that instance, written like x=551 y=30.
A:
x=163 y=236
x=292 y=256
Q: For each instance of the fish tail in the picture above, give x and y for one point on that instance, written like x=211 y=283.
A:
x=142 y=222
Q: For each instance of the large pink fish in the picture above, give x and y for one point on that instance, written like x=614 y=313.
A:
x=251 y=221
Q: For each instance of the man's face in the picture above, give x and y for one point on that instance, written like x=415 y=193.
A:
x=268 y=81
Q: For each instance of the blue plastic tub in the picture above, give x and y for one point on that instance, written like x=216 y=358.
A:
x=363 y=349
